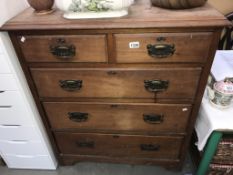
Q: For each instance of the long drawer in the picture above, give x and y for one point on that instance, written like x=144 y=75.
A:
x=61 y=48
x=118 y=117
x=173 y=83
x=159 y=147
x=162 y=47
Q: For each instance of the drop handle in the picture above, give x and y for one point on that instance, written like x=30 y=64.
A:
x=71 y=85
x=150 y=147
x=78 y=116
x=85 y=144
x=161 y=50
x=156 y=85
x=153 y=118
x=62 y=49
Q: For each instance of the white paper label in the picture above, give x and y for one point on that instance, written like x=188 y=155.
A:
x=134 y=45
x=23 y=39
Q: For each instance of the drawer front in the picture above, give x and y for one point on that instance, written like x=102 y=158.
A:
x=4 y=67
x=119 y=145
x=118 y=117
x=13 y=110
x=162 y=47
x=54 y=48
x=8 y=82
x=117 y=83
x=29 y=161
x=17 y=132
x=14 y=115
x=22 y=147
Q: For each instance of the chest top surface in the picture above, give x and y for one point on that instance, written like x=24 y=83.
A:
x=141 y=15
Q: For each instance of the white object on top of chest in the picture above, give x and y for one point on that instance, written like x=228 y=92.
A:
x=83 y=9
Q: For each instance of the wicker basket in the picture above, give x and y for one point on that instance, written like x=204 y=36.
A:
x=216 y=169
x=222 y=163
x=224 y=154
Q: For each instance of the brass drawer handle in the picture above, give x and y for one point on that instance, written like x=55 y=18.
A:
x=63 y=50
x=71 y=85
x=161 y=50
x=78 y=116
x=149 y=147
x=84 y=144
x=153 y=118
x=156 y=85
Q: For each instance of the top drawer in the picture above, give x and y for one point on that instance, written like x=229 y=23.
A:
x=59 y=48
x=162 y=47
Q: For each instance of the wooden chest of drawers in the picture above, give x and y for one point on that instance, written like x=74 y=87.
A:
x=121 y=90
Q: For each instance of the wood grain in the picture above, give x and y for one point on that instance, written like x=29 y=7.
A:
x=113 y=80
x=189 y=47
x=141 y=15
x=88 y=48
x=117 y=83
x=117 y=117
x=119 y=145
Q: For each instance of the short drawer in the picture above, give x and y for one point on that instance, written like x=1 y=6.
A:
x=4 y=66
x=118 y=117
x=117 y=83
x=119 y=145
x=13 y=110
x=8 y=82
x=162 y=47
x=61 y=48
x=22 y=147
x=29 y=161
x=17 y=132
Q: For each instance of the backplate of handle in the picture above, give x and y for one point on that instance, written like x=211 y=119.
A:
x=161 y=50
x=85 y=144
x=153 y=118
x=156 y=85
x=71 y=85
x=63 y=50
x=78 y=116
x=149 y=147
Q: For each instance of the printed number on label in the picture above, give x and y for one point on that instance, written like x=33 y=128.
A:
x=134 y=45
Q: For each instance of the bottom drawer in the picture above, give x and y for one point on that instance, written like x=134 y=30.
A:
x=29 y=162
x=22 y=147
x=155 y=147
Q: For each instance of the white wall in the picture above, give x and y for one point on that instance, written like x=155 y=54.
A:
x=10 y=8
x=224 y=6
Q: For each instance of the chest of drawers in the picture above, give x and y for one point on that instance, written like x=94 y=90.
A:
x=121 y=90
